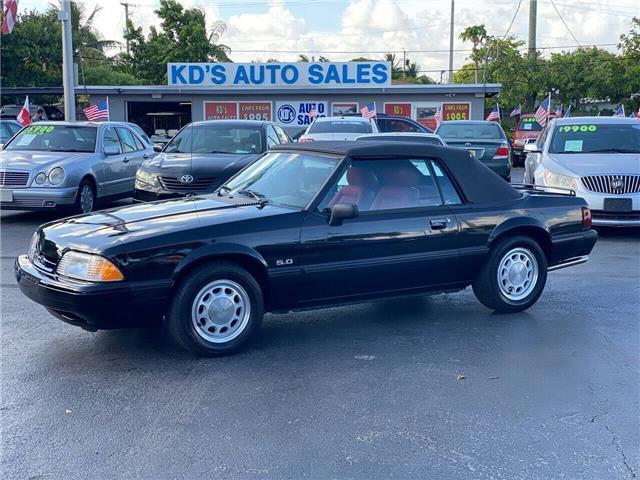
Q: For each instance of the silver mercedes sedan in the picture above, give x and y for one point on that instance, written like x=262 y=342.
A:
x=598 y=158
x=72 y=165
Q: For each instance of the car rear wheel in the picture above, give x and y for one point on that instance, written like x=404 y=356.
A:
x=513 y=276
x=216 y=310
x=85 y=198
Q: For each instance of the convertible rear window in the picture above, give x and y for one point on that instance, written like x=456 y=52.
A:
x=596 y=138
x=55 y=138
x=340 y=126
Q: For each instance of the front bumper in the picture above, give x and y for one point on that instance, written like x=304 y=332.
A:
x=611 y=218
x=94 y=306
x=141 y=195
x=37 y=198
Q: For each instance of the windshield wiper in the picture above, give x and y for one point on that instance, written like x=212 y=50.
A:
x=225 y=188
x=614 y=150
x=257 y=196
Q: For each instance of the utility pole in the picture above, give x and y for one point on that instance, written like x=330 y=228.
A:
x=451 y=44
x=126 y=16
x=533 y=13
x=68 y=83
x=404 y=64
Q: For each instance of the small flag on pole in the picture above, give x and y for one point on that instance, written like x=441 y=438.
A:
x=567 y=112
x=516 y=111
x=313 y=113
x=558 y=111
x=24 y=117
x=368 y=111
x=619 y=112
x=9 y=16
x=494 y=115
x=542 y=113
x=99 y=111
x=438 y=116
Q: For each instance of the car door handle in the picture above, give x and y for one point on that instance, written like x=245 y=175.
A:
x=439 y=223
x=125 y=160
x=145 y=156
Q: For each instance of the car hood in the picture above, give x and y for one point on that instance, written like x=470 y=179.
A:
x=198 y=163
x=27 y=160
x=100 y=231
x=580 y=164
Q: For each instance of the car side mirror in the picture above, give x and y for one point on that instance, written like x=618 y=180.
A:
x=111 y=150
x=341 y=212
x=157 y=148
x=531 y=148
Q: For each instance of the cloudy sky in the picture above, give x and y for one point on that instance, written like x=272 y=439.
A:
x=343 y=29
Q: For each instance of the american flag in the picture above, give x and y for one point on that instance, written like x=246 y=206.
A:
x=542 y=114
x=313 y=113
x=368 y=111
x=619 y=112
x=516 y=111
x=567 y=112
x=494 y=115
x=438 y=116
x=638 y=114
x=9 y=16
x=98 y=111
x=558 y=111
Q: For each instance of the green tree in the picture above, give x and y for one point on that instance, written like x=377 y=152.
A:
x=476 y=34
x=182 y=37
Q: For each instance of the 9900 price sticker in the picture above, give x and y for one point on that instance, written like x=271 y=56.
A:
x=578 y=128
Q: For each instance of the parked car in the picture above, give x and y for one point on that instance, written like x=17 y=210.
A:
x=527 y=128
x=8 y=128
x=203 y=155
x=486 y=141
x=598 y=158
x=338 y=128
x=305 y=226
x=74 y=165
x=141 y=133
x=51 y=112
x=395 y=123
x=425 y=138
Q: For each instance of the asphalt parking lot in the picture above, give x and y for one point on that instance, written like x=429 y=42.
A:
x=436 y=387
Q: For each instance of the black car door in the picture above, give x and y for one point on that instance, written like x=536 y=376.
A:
x=403 y=239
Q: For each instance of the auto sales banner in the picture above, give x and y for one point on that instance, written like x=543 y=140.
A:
x=299 y=113
x=265 y=75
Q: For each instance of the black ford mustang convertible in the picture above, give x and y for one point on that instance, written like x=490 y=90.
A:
x=306 y=226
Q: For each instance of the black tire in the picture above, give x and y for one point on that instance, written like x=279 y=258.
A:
x=487 y=288
x=181 y=325
x=79 y=206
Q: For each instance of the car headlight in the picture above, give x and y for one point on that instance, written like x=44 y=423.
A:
x=41 y=178
x=519 y=142
x=56 y=176
x=89 y=267
x=146 y=177
x=33 y=246
x=561 y=181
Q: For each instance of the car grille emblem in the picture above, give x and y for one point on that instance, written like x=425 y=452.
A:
x=186 y=179
x=617 y=183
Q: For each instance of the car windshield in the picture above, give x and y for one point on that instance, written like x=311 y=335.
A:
x=529 y=124
x=289 y=179
x=596 y=138
x=490 y=131
x=217 y=139
x=140 y=132
x=340 y=126
x=55 y=138
x=403 y=138
x=8 y=130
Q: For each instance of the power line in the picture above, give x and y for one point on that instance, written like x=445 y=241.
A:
x=565 y=23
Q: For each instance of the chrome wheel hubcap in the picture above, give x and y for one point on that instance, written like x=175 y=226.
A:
x=517 y=274
x=220 y=311
x=86 y=199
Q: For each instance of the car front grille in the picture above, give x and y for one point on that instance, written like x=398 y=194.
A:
x=615 y=216
x=612 y=184
x=13 y=179
x=173 y=184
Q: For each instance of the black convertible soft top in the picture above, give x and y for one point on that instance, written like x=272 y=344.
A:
x=479 y=183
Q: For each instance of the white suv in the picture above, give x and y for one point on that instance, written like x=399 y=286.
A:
x=338 y=128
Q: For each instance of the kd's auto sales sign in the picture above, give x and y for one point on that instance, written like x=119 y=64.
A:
x=299 y=113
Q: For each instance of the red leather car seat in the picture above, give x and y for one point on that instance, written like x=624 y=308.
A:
x=398 y=188
x=361 y=190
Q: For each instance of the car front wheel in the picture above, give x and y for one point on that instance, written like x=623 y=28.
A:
x=513 y=276
x=216 y=310
x=85 y=198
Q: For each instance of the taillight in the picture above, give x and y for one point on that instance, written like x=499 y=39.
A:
x=503 y=151
x=587 y=221
x=305 y=139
